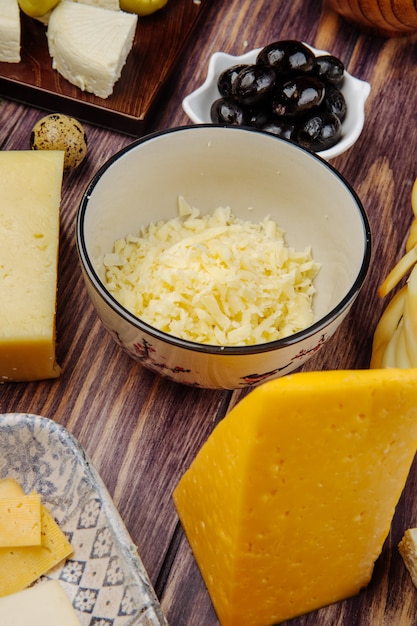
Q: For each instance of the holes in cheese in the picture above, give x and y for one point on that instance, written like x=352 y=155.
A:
x=288 y=503
x=20 y=566
x=214 y=279
x=20 y=521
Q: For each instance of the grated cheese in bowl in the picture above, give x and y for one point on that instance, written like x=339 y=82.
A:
x=214 y=279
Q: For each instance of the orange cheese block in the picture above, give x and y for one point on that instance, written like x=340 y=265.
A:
x=288 y=503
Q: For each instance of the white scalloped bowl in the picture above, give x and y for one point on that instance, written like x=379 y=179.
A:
x=246 y=170
x=198 y=103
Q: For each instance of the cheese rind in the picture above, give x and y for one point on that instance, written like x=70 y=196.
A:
x=20 y=521
x=29 y=230
x=9 y=31
x=288 y=503
x=408 y=550
x=89 y=45
x=45 y=604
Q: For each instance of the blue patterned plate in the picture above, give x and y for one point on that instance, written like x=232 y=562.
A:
x=104 y=578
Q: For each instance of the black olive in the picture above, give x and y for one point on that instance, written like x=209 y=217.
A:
x=227 y=78
x=298 y=95
x=227 y=111
x=259 y=116
x=253 y=84
x=319 y=131
x=288 y=92
x=330 y=69
x=281 y=128
x=334 y=101
x=287 y=57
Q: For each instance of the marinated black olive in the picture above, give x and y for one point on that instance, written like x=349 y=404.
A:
x=253 y=84
x=288 y=92
x=288 y=57
x=281 y=128
x=259 y=116
x=319 y=132
x=298 y=95
x=330 y=69
x=227 y=111
x=334 y=101
x=227 y=78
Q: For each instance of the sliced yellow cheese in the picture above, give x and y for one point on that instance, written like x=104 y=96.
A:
x=20 y=521
x=288 y=503
x=29 y=230
x=21 y=566
x=10 y=488
x=45 y=604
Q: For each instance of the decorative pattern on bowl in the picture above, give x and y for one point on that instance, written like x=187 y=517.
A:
x=213 y=165
x=104 y=578
x=197 y=104
x=145 y=353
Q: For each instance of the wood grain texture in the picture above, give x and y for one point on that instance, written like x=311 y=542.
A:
x=142 y=431
x=386 y=17
x=156 y=48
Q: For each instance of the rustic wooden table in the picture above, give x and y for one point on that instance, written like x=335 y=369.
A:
x=142 y=431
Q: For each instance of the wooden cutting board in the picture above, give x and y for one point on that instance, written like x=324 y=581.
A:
x=157 y=47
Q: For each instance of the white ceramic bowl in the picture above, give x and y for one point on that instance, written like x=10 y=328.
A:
x=215 y=166
x=198 y=103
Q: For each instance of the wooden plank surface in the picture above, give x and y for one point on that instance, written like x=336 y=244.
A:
x=157 y=46
x=142 y=431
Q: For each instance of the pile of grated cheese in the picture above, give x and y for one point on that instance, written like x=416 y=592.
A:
x=214 y=279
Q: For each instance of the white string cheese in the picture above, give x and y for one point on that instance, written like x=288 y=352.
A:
x=395 y=337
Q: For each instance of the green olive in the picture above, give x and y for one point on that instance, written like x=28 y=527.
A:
x=60 y=132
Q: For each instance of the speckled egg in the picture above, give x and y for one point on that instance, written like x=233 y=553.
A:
x=60 y=132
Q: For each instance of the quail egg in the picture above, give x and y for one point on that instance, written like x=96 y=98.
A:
x=60 y=132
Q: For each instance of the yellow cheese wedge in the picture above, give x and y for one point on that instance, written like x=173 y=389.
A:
x=289 y=501
x=21 y=566
x=20 y=521
x=45 y=604
x=30 y=183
